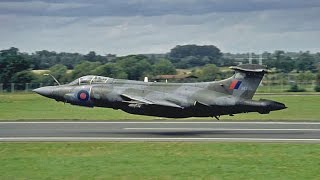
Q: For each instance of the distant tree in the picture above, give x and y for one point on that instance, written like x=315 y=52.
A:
x=136 y=66
x=91 y=56
x=317 y=87
x=70 y=59
x=195 y=50
x=59 y=72
x=25 y=76
x=84 y=68
x=278 y=54
x=110 y=70
x=280 y=61
x=286 y=64
x=305 y=62
x=11 y=63
x=317 y=58
x=194 y=55
x=209 y=72
x=228 y=62
x=163 y=66
x=45 y=59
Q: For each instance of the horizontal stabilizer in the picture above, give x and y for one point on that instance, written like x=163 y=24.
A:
x=250 y=68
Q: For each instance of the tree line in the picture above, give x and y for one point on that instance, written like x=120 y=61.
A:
x=16 y=66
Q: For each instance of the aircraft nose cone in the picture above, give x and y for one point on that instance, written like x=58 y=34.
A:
x=44 y=91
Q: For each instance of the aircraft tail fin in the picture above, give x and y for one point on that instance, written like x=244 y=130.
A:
x=245 y=81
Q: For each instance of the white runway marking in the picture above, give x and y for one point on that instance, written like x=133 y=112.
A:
x=156 y=122
x=220 y=129
x=152 y=139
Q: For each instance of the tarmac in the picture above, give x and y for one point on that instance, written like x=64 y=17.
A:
x=302 y=132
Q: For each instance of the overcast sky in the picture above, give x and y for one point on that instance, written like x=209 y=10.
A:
x=155 y=26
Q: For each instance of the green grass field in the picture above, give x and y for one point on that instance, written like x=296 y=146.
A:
x=34 y=107
x=159 y=161
x=146 y=160
x=284 y=88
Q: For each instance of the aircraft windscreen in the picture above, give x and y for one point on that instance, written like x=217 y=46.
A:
x=99 y=79
x=86 y=80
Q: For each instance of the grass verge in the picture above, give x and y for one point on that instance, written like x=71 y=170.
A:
x=34 y=107
x=159 y=161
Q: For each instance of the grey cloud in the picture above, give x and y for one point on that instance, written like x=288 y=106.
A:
x=141 y=26
x=146 y=7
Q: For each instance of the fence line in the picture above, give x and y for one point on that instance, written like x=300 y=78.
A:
x=21 y=87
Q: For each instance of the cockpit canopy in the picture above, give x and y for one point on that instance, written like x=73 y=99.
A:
x=90 y=79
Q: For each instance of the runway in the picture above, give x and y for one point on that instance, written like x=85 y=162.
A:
x=162 y=131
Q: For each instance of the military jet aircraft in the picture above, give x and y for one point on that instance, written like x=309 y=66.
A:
x=173 y=100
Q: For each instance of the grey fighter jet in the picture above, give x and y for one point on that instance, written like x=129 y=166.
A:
x=173 y=100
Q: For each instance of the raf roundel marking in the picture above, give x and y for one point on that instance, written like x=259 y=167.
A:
x=235 y=84
x=83 y=95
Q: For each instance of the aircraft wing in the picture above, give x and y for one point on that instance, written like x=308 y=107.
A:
x=167 y=103
x=141 y=100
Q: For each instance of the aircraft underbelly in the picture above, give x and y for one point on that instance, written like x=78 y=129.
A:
x=165 y=112
x=202 y=110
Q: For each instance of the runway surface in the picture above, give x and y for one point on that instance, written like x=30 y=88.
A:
x=161 y=131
